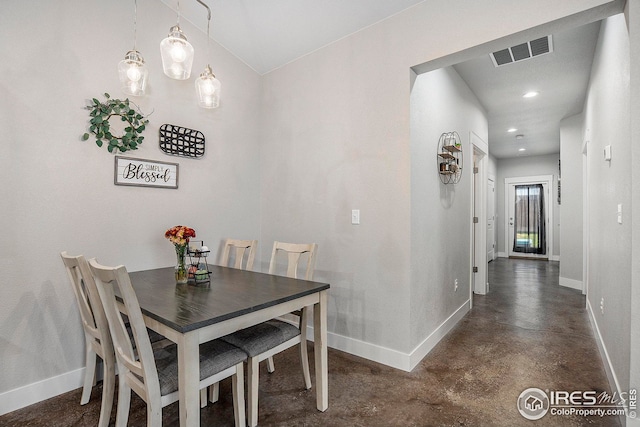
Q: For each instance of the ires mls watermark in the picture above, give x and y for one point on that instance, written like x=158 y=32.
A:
x=534 y=403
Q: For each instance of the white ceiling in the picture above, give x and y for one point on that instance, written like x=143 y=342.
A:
x=561 y=77
x=268 y=34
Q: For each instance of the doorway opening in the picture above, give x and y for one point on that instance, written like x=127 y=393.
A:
x=530 y=234
x=528 y=231
x=479 y=271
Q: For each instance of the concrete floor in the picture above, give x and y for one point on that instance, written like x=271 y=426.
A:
x=527 y=332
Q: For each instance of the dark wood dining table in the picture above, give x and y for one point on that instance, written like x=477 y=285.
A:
x=189 y=315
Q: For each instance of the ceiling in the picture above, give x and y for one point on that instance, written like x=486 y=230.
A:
x=268 y=34
x=561 y=78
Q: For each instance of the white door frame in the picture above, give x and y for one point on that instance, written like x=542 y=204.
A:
x=585 y=217
x=490 y=239
x=479 y=238
x=524 y=180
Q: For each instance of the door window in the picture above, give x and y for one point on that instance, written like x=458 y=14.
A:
x=529 y=221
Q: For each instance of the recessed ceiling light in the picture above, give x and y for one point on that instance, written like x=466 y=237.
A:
x=512 y=130
x=530 y=94
x=522 y=149
x=519 y=136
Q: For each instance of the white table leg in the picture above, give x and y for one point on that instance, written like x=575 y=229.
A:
x=320 y=352
x=253 y=372
x=189 y=379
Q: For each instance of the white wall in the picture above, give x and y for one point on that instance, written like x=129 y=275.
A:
x=336 y=137
x=440 y=214
x=57 y=191
x=330 y=146
x=528 y=166
x=571 y=237
x=492 y=166
x=607 y=121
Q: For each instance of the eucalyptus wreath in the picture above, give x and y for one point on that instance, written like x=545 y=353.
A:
x=99 y=126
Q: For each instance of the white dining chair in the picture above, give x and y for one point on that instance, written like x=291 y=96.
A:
x=240 y=249
x=97 y=337
x=153 y=374
x=241 y=253
x=263 y=341
x=96 y=331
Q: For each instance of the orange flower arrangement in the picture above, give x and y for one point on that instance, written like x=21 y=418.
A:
x=179 y=235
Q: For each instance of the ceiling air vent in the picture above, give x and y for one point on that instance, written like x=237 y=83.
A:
x=522 y=51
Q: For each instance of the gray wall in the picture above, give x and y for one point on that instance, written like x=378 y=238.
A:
x=58 y=192
x=528 y=166
x=607 y=121
x=492 y=166
x=440 y=214
x=571 y=235
x=633 y=14
x=336 y=137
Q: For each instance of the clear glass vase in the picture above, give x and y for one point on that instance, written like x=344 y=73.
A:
x=181 y=267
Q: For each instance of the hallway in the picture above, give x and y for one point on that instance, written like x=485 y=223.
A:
x=527 y=332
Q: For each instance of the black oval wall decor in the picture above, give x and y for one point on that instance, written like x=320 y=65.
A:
x=181 y=141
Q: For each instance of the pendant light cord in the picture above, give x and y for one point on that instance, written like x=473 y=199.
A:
x=208 y=25
x=208 y=22
x=135 y=23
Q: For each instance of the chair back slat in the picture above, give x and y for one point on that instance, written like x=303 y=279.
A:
x=295 y=252
x=107 y=278
x=240 y=249
x=92 y=314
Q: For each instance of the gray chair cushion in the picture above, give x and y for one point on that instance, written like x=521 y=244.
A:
x=215 y=356
x=260 y=338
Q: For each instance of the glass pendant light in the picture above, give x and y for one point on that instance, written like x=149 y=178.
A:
x=177 y=53
x=208 y=89
x=132 y=72
x=207 y=86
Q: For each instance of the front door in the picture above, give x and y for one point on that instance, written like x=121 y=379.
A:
x=528 y=220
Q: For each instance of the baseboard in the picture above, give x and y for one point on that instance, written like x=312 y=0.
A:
x=394 y=358
x=386 y=356
x=608 y=366
x=36 y=392
x=571 y=283
x=51 y=387
x=506 y=255
x=434 y=338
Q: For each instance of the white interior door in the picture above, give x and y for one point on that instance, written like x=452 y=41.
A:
x=479 y=212
x=510 y=189
x=491 y=219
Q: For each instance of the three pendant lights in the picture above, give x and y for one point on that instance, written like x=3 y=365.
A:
x=177 y=59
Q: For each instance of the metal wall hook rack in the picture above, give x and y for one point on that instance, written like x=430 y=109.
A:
x=450 y=158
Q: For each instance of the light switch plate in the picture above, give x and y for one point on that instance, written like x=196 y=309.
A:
x=619 y=213
x=607 y=152
x=355 y=216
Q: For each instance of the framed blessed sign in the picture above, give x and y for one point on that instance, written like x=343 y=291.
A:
x=145 y=173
